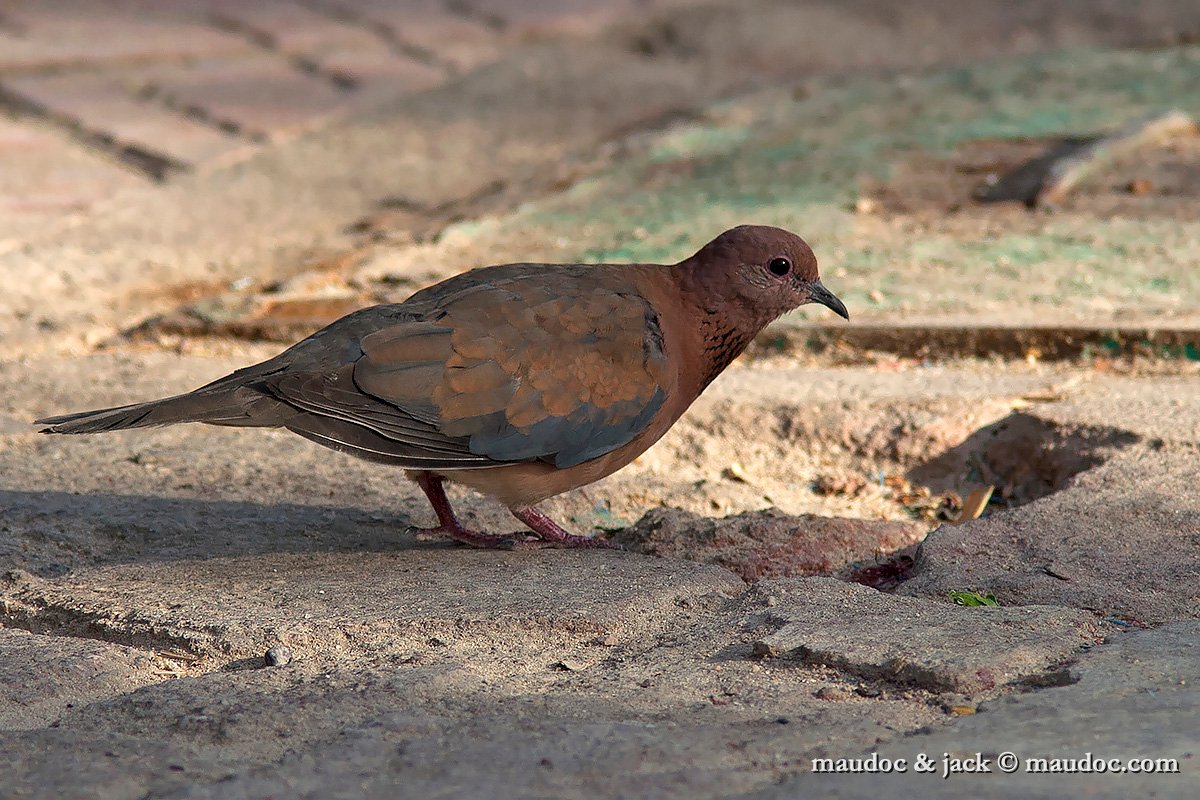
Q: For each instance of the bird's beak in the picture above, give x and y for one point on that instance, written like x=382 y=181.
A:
x=817 y=293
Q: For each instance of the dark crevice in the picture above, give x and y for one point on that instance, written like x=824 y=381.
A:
x=902 y=675
x=1024 y=456
x=423 y=222
x=911 y=466
x=149 y=163
x=45 y=619
x=152 y=92
x=475 y=13
x=386 y=33
x=11 y=27
x=1050 y=679
x=266 y=41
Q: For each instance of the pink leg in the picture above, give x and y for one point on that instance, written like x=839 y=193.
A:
x=448 y=523
x=548 y=531
x=553 y=535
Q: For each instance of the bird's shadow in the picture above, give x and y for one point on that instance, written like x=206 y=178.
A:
x=50 y=533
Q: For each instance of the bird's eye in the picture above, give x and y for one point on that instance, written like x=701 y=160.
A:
x=779 y=266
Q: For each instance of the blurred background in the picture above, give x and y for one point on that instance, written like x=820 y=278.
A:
x=233 y=169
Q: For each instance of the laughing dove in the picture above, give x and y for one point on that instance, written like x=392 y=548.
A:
x=522 y=381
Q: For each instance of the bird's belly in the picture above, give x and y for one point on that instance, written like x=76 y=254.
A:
x=522 y=485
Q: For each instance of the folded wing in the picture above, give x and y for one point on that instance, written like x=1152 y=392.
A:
x=541 y=364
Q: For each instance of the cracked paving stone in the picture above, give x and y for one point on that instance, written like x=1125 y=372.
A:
x=915 y=642
x=1118 y=542
x=326 y=603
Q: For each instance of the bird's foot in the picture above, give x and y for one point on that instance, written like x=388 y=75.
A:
x=510 y=541
x=552 y=535
x=448 y=523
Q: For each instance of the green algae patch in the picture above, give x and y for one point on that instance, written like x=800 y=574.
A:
x=805 y=161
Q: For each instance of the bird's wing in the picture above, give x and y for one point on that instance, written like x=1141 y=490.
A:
x=554 y=366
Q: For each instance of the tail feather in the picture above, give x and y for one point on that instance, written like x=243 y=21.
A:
x=235 y=408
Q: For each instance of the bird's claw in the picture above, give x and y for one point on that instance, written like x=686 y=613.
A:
x=512 y=541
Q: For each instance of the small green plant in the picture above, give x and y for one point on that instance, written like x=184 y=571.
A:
x=968 y=598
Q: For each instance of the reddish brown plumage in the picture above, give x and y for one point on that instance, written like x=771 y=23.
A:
x=523 y=381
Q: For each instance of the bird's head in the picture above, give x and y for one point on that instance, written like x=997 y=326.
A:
x=765 y=271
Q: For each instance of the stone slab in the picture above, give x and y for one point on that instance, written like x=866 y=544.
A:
x=172 y=543
x=459 y=40
x=350 y=602
x=77 y=34
x=937 y=646
x=1123 y=542
x=48 y=177
x=680 y=708
x=1134 y=698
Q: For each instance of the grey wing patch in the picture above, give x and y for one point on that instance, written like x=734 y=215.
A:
x=588 y=432
x=595 y=435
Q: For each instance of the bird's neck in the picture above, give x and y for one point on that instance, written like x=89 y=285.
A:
x=725 y=327
x=722 y=342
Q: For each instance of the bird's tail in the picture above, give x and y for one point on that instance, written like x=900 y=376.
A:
x=215 y=408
